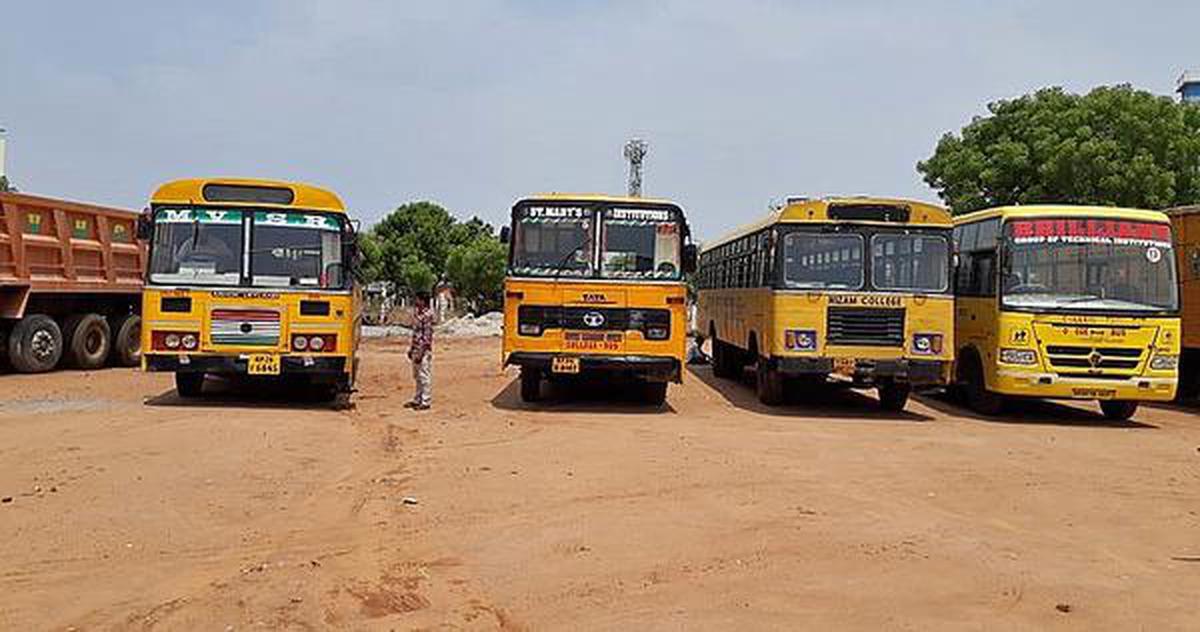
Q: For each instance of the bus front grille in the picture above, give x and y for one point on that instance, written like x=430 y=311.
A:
x=245 y=327
x=864 y=327
x=1064 y=358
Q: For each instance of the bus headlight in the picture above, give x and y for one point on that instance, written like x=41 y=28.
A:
x=299 y=343
x=171 y=341
x=657 y=333
x=174 y=341
x=530 y=329
x=800 y=339
x=189 y=341
x=930 y=344
x=1018 y=356
x=1164 y=362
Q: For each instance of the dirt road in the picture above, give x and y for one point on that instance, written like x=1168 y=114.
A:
x=131 y=509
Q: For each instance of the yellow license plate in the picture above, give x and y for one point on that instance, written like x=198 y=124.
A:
x=844 y=366
x=263 y=364
x=564 y=365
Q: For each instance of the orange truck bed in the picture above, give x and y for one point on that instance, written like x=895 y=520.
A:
x=70 y=282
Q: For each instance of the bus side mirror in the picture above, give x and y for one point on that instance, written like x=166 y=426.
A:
x=505 y=234
x=145 y=225
x=689 y=258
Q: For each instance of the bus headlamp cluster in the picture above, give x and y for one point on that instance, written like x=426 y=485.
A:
x=800 y=339
x=314 y=343
x=1018 y=356
x=175 y=341
x=930 y=344
x=1164 y=362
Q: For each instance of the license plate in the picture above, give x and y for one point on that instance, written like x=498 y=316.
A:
x=564 y=365
x=263 y=364
x=844 y=366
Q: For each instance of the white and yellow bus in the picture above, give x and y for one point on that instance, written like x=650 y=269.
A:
x=856 y=288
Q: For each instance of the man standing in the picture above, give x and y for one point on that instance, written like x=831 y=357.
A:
x=421 y=353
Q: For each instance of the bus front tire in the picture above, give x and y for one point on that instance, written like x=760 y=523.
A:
x=531 y=385
x=979 y=398
x=1118 y=410
x=189 y=385
x=654 y=393
x=893 y=396
x=768 y=384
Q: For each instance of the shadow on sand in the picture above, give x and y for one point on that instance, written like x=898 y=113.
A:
x=252 y=393
x=609 y=397
x=804 y=398
x=1032 y=412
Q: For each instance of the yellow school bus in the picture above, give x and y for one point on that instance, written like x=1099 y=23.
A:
x=250 y=277
x=856 y=289
x=1186 y=221
x=595 y=288
x=1066 y=302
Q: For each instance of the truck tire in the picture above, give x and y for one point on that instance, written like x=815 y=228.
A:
x=127 y=342
x=979 y=398
x=35 y=344
x=189 y=385
x=87 y=340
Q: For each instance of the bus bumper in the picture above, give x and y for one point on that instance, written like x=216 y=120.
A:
x=914 y=372
x=1052 y=386
x=236 y=364
x=651 y=368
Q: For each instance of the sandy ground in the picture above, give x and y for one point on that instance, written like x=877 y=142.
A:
x=131 y=509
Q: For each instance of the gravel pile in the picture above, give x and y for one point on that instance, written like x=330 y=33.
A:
x=491 y=324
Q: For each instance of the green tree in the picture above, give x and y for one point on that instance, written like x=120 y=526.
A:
x=1112 y=146
x=410 y=247
x=476 y=272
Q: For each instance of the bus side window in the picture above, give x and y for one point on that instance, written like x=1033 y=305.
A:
x=983 y=273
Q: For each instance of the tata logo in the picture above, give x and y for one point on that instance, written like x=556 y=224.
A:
x=593 y=319
x=1095 y=359
x=595 y=298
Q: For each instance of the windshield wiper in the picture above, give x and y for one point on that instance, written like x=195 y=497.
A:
x=558 y=269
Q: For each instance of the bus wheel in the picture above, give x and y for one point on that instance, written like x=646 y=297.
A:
x=768 y=384
x=654 y=393
x=35 y=344
x=979 y=399
x=1118 y=411
x=893 y=396
x=531 y=384
x=189 y=385
x=88 y=340
x=127 y=342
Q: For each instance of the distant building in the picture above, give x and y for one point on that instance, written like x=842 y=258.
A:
x=1189 y=87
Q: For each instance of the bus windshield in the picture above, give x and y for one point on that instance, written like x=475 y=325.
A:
x=206 y=247
x=823 y=261
x=197 y=247
x=910 y=262
x=553 y=241
x=641 y=244
x=296 y=250
x=1089 y=264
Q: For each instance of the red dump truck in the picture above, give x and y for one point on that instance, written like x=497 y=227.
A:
x=70 y=284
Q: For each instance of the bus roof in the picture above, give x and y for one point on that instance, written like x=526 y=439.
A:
x=593 y=197
x=1063 y=210
x=304 y=196
x=811 y=210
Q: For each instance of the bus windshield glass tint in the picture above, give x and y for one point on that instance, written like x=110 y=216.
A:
x=553 y=241
x=641 y=244
x=919 y=263
x=296 y=250
x=1089 y=264
x=197 y=247
x=814 y=260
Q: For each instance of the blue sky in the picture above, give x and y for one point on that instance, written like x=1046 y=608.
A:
x=476 y=103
